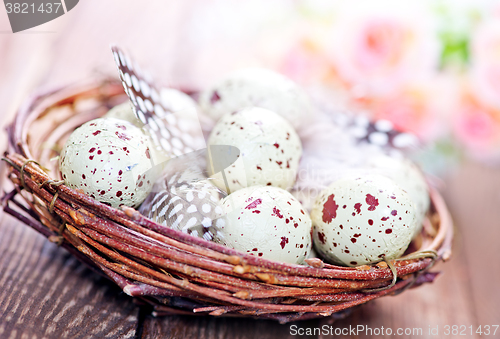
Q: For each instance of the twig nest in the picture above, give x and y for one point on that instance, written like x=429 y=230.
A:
x=109 y=160
x=362 y=220
x=257 y=87
x=407 y=175
x=270 y=149
x=267 y=222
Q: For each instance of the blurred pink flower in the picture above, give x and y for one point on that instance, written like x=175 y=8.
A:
x=377 y=46
x=477 y=128
x=420 y=108
x=485 y=62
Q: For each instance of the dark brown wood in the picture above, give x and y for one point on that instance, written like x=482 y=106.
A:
x=46 y=292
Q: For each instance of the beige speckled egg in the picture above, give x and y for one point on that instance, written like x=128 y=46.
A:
x=257 y=87
x=407 y=175
x=109 y=160
x=266 y=222
x=270 y=149
x=124 y=112
x=361 y=220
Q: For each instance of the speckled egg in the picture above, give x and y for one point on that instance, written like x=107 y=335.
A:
x=407 y=175
x=270 y=149
x=257 y=87
x=109 y=160
x=266 y=222
x=361 y=220
x=124 y=112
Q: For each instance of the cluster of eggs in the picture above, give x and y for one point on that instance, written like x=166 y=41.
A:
x=363 y=218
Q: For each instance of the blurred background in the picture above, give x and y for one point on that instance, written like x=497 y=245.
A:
x=430 y=67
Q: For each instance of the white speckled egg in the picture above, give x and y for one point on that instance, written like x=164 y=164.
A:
x=361 y=220
x=270 y=149
x=266 y=222
x=407 y=175
x=125 y=112
x=108 y=159
x=257 y=87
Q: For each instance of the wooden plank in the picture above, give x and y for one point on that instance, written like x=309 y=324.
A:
x=473 y=196
x=207 y=327
x=46 y=293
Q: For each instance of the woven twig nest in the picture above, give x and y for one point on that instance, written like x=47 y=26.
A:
x=174 y=271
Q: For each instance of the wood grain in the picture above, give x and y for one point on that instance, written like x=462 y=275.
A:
x=46 y=293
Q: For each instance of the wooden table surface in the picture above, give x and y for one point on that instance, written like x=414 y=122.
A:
x=45 y=293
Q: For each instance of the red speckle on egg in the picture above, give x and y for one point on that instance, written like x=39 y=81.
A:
x=140 y=184
x=321 y=237
x=284 y=241
x=372 y=201
x=370 y=222
x=394 y=212
x=276 y=213
x=276 y=145
x=388 y=231
x=256 y=212
x=83 y=176
x=148 y=155
x=254 y=204
x=96 y=133
x=279 y=162
x=384 y=218
x=92 y=150
x=353 y=240
x=122 y=136
x=354 y=263
x=91 y=157
x=357 y=207
x=330 y=209
x=295 y=225
x=259 y=168
x=120 y=172
x=119 y=193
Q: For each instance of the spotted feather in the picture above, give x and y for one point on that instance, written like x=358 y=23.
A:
x=164 y=126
